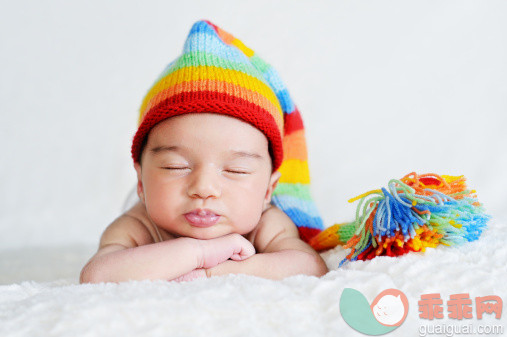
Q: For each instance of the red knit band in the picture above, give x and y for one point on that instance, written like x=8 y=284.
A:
x=212 y=102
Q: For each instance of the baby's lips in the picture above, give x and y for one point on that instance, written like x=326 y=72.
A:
x=203 y=212
x=202 y=217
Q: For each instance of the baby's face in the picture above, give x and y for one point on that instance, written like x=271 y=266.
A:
x=205 y=175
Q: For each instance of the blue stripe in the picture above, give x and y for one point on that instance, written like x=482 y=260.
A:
x=202 y=26
x=302 y=219
x=303 y=213
x=211 y=43
x=287 y=201
x=271 y=75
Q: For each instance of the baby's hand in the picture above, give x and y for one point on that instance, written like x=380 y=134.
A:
x=231 y=246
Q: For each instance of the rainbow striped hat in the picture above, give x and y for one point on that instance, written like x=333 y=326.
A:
x=217 y=73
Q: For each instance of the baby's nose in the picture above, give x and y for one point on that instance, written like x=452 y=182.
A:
x=205 y=183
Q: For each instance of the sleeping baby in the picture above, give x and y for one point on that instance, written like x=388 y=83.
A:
x=222 y=174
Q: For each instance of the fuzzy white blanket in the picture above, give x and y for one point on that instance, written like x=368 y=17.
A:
x=235 y=305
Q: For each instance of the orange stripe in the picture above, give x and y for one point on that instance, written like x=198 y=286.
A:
x=222 y=87
x=294 y=146
x=225 y=36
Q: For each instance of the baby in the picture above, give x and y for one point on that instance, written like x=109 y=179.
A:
x=222 y=174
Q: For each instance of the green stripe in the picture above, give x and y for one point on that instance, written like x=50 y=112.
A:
x=199 y=58
x=298 y=190
x=259 y=63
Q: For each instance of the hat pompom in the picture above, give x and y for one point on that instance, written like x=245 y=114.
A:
x=415 y=212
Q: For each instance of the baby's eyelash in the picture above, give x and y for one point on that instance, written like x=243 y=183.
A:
x=237 y=172
x=175 y=168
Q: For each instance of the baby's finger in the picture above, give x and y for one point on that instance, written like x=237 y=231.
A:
x=236 y=257
x=244 y=253
x=239 y=257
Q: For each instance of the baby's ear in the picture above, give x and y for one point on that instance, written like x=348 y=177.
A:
x=273 y=181
x=140 y=191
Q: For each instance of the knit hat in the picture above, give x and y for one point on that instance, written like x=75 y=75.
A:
x=217 y=73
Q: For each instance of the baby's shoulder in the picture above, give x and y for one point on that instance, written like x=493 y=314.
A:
x=273 y=222
x=133 y=229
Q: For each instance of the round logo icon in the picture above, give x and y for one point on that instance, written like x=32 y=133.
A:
x=387 y=311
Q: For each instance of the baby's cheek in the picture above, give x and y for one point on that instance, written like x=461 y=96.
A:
x=246 y=220
x=251 y=215
x=161 y=211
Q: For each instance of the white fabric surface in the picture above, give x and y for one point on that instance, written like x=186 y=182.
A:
x=235 y=305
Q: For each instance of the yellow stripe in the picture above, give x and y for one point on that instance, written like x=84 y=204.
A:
x=294 y=171
x=241 y=46
x=211 y=73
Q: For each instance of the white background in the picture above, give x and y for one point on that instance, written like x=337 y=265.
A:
x=384 y=88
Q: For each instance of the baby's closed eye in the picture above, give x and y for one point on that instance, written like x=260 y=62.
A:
x=231 y=170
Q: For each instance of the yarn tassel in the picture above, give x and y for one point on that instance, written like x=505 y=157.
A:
x=413 y=213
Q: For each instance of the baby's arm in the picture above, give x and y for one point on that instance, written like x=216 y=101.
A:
x=127 y=252
x=281 y=253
